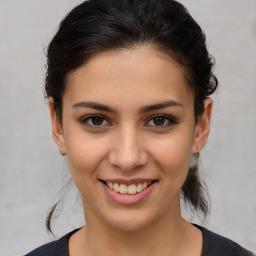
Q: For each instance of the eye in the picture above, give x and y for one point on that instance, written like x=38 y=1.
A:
x=161 y=121
x=95 y=121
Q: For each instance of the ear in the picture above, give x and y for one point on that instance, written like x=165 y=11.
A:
x=202 y=127
x=57 y=132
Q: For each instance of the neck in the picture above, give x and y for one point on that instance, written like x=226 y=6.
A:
x=147 y=241
x=171 y=235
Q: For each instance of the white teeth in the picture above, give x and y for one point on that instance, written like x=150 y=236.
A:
x=116 y=187
x=131 y=189
x=110 y=184
x=139 y=187
x=123 y=189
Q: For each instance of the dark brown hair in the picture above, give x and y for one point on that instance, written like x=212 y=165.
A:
x=100 y=25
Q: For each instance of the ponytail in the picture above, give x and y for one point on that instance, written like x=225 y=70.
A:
x=194 y=191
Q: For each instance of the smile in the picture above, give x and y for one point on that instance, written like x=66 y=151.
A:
x=131 y=189
x=130 y=193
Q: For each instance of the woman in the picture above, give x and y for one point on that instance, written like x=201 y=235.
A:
x=128 y=84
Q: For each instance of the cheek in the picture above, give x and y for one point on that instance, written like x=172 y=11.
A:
x=85 y=154
x=172 y=155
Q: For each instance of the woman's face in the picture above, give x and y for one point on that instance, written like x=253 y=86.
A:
x=128 y=120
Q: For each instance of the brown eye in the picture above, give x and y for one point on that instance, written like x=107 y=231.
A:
x=159 y=120
x=95 y=121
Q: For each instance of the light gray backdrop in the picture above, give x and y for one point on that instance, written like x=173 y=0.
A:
x=31 y=168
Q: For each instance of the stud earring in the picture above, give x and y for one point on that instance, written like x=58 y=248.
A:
x=61 y=151
x=197 y=153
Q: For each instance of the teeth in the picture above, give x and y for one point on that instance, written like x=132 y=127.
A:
x=139 y=187
x=116 y=187
x=110 y=184
x=131 y=189
x=123 y=189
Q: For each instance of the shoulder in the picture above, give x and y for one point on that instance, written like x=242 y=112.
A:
x=216 y=245
x=55 y=248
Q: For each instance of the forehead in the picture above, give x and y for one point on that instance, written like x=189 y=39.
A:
x=141 y=72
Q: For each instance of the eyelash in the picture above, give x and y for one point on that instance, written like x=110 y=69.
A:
x=171 y=120
x=85 y=121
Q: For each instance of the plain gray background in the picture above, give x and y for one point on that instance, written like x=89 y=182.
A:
x=31 y=168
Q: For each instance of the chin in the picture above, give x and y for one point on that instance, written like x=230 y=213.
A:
x=129 y=220
x=129 y=225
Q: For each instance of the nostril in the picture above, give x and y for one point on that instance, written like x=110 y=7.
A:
x=128 y=156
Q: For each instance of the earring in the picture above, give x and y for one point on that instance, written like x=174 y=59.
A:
x=197 y=153
x=61 y=151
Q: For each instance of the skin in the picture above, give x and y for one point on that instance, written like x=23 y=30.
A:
x=131 y=144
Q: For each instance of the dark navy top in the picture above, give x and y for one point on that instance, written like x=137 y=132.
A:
x=213 y=245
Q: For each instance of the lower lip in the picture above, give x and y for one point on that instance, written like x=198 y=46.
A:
x=127 y=199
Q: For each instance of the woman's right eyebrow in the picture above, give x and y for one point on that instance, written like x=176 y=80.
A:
x=94 y=105
x=102 y=107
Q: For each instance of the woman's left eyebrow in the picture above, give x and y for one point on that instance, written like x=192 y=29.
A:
x=142 y=110
x=166 y=104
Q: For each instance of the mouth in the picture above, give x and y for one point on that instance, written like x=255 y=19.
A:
x=130 y=189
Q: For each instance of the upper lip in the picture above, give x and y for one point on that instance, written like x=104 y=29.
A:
x=129 y=182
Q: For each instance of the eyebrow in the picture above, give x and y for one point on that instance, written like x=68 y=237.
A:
x=94 y=105
x=166 y=104
x=145 y=109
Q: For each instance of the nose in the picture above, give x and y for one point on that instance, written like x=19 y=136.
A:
x=127 y=150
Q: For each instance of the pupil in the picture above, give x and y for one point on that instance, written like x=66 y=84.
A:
x=97 y=120
x=159 y=120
